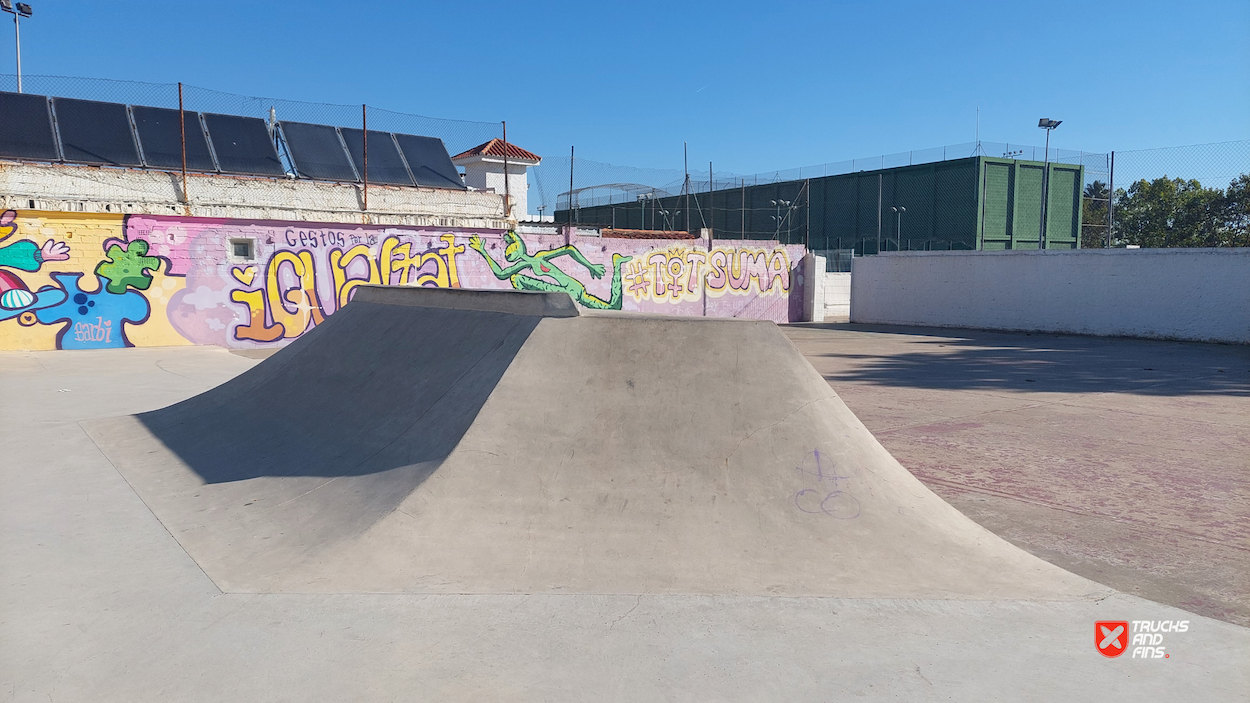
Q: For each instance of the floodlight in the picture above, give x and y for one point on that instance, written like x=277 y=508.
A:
x=6 y=5
x=23 y=9
x=1047 y=124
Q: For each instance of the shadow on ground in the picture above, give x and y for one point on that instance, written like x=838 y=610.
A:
x=371 y=389
x=968 y=359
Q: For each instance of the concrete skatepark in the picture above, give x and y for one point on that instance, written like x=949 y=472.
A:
x=569 y=506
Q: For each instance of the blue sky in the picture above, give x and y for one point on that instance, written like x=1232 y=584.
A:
x=752 y=86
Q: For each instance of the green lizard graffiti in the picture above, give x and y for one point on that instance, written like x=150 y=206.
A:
x=539 y=264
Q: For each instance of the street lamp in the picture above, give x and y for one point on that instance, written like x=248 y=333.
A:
x=1047 y=124
x=22 y=10
x=779 y=204
x=898 y=232
x=668 y=221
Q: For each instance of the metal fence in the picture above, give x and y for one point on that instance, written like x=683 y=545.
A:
x=1171 y=197
x=598 y=183
x=1178 y=196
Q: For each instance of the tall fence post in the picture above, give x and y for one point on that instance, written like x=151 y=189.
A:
x=507 y=192
x=744 y=208
x=1110 y=199
x=182 y=126
x=364 y=133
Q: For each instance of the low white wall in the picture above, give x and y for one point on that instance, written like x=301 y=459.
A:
x=813 y=281
x=837 y=295
x=1195 y=294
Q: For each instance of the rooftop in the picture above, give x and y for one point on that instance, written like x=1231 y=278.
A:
x=498 y=148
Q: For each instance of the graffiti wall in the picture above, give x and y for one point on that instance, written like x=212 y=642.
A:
x=85 y=281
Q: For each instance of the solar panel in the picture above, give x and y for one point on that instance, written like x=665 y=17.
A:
x=161 y=139
x=95 y=132
x=243 y=145
x=27 y=127
x=317 y=152
x=385 y=164
x=429 y=161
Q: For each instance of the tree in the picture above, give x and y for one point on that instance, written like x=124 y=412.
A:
x=1094 y=216
x=1173 y=212
x=1237 y=211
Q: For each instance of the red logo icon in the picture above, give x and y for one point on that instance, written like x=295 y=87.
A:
x=1111 y=637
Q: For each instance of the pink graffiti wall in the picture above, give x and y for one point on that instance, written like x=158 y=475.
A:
x=245 y=283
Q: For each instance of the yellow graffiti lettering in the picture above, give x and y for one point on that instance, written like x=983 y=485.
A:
x=339 y=261
x=256 y=329
x=449 y=251
x=682 y=274
x=303 y=297
x=281 y=308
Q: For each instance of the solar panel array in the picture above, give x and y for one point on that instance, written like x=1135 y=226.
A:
x=112 y=134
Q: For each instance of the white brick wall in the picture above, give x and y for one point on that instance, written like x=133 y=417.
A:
x=67 y=188
x=837 y=297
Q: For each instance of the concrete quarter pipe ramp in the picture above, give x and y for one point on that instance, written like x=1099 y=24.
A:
x=432 y=441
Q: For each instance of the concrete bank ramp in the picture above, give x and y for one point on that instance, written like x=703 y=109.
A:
x=434 y=441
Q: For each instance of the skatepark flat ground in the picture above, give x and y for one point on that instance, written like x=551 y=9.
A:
x=1126 y=461
x=99 y=602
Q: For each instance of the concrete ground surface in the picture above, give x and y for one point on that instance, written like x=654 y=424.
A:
x=99 y=602
x=1126 y=461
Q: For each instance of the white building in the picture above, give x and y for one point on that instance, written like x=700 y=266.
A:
x=484 y=170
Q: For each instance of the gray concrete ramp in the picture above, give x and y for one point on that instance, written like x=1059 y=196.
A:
x=448 y=442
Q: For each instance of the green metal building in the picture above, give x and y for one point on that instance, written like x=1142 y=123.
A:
x=978 y=202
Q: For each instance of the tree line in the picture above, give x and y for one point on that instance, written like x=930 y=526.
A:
x=1168 y=212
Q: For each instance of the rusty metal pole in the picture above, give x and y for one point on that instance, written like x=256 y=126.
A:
x=744 y=208
x=507 y=192
x=364 y=133
x=182 y=125
x=711 y=209
x=807 y=206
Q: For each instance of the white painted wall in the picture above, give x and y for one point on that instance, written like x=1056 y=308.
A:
x=813 y=282
x=488 y=175
x=1195 y=294
x=837 y=296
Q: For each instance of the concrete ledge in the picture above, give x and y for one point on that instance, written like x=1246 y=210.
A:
x=515 y=302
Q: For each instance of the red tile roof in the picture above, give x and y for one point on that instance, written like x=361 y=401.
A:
x=496 y=147
x=645 y=234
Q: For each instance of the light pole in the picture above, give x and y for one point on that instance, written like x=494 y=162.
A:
x=22 y=10
x=779 y=204
x=898 y=231
x=1047 y=124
